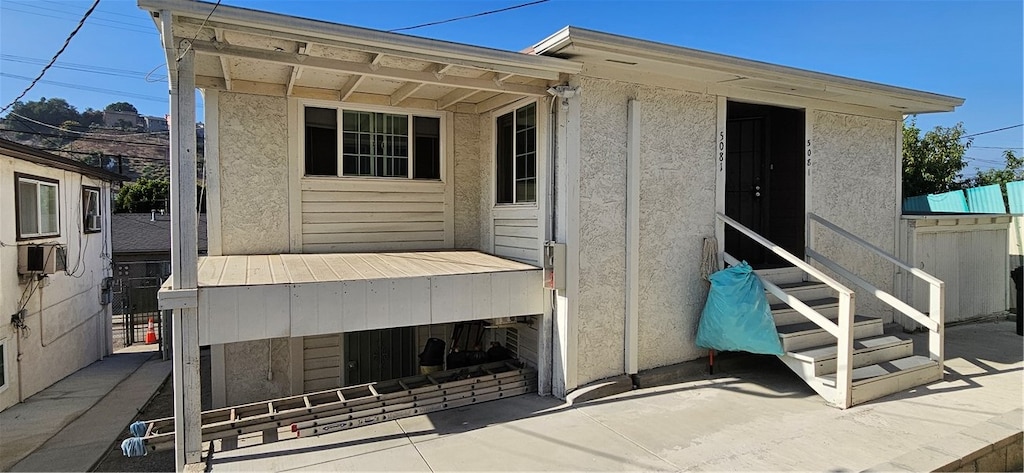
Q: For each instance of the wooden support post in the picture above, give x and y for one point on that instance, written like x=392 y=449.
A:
x=184 y=253
x=844 y=352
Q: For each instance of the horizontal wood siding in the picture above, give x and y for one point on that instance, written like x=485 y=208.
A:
x=321 y=362
x=517 y=239
x=347 y=215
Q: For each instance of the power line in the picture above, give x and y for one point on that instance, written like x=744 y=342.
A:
x=993 y=131
x=84 y=133
x=110 y=71
x=55 y=56
x=183 y=53
x=467 y=16
x=996 y=147
x=87 y=138
x=126 y=26
x=117 y=93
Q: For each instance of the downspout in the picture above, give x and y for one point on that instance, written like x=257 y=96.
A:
x=632 y=323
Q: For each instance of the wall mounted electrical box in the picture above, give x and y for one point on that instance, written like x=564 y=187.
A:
x=41 y=259
x=554 y=265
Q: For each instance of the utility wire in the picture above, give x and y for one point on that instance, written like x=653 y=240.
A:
x=992 y=131
x=467 y=16
x=135 y=28
x=55 y=56
x=183 y=53
x=84 y=133
x=86 y=88
x=88 y=138
x=109 y=71
x=996 y=147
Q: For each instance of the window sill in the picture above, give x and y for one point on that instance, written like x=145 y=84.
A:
x=38 y=237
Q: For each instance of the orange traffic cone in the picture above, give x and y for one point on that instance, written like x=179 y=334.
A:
x=150 y=333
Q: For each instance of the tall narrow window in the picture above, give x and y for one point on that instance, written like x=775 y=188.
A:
x=516 y=156
x=38 y=212
x=91 y=217
x=321 y=141
x=426 y=132
x=3 y=366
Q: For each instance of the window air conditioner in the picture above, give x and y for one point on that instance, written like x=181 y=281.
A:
x=45 y=259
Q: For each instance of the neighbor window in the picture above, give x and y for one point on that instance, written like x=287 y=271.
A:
x=3 y=365
x=92 y=219
x=516 y=156
x=38 y=213
x=373 y=144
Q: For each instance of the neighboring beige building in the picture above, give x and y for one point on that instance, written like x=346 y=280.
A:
x=335 y=154
x=54 y=268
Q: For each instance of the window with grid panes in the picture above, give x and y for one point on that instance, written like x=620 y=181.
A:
x=516 y=156
x=373 y=144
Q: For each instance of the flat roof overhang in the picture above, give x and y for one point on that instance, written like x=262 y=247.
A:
x=615 y=56
x=265 y=53
x=255 y=297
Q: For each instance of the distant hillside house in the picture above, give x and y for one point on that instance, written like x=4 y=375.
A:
x=115 y=119
x=154 y=123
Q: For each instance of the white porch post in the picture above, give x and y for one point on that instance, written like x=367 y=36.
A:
x=184 y=250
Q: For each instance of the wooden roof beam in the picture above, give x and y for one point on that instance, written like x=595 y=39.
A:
x=486 y=82
x=297 y=70
x=219 y=38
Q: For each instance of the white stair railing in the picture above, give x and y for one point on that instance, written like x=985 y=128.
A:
x=934 y=321
x=842 y=329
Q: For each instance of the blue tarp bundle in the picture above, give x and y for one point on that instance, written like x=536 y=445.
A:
x=737 y=316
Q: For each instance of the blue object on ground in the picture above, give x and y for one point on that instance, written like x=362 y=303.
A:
x=737 y=316
x=135 y=446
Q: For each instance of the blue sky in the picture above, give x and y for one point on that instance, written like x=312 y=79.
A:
x=969 y=49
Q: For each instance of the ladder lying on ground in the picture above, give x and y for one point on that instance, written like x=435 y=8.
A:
x=354 y=406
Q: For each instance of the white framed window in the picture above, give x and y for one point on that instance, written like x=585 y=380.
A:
x=92 y=216
x=515 y=141
x=38 y=207
x=366 y=142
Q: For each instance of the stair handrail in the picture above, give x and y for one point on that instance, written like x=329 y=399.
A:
x=934 y=321
x=842 y=329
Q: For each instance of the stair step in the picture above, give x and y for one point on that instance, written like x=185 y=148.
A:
x=878 y=380
x=866 y=351
x=805 y=335
x=786 y=315
x=803 y=290
x=784 y=275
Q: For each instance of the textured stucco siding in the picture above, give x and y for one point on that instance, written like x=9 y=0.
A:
x=253 y=132
x=468 y=185
x=245 y=370
x=854 y=186
x=485 y=134
x=68 y=328
x=677 y=202
x=677 y=198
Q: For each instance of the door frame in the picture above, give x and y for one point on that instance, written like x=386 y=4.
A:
x=721 y=170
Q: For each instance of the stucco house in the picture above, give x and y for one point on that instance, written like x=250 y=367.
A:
x=369 y=189
x=54 y=268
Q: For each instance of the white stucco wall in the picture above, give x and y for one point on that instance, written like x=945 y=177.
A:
x=677 y=199
x=68 y=328
x=253 y=136
x=854 y=186
x=246 y=367
x=469 y=187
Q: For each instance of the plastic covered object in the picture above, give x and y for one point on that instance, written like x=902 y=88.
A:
x=737 y=316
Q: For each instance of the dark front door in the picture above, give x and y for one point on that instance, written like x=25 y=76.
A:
x=378 y=355
x=764 y=184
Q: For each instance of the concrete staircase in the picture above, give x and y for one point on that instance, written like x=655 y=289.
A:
x=883 y=364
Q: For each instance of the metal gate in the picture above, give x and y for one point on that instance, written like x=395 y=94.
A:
x=135 y=288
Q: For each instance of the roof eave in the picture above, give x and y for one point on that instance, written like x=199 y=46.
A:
x=366 y=37
x=30 y=154
x=571 y=36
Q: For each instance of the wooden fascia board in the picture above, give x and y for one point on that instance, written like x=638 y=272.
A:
x=363 y=69
x=367 y=40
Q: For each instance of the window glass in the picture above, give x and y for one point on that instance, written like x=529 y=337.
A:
x=38 y=213
x=426 y=133
x=28 y=208
x=375 y=144
x=516 y=155
x=91 y=218
x=3 y=365
x=321 y=141
x=504 y=157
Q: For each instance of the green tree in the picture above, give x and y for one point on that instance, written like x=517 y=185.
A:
x=142 y=195
x=121 y=107
x=92 y=117
x=933 y=163
x=53 y=111
x=1014 y=171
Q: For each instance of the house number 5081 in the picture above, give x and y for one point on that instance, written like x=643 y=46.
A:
x=721 y=151
x=808 y=157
